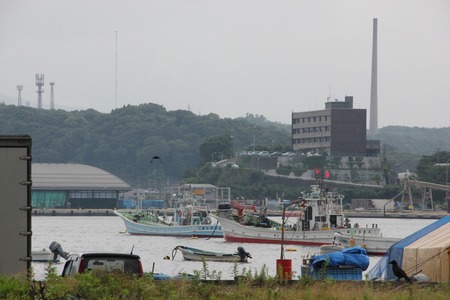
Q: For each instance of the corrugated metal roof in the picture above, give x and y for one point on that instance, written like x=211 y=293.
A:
x=74 y=177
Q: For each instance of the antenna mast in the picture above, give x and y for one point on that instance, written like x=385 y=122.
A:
x=52 y=95
x=19 y=96
x=116 y=72
x=39 y=84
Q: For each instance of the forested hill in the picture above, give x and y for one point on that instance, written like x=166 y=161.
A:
x=124 y=141
x=415 y=140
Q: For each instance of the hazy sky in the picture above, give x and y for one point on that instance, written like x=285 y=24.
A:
x=231 y=57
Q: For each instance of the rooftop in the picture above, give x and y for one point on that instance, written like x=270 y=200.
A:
x=74 y=177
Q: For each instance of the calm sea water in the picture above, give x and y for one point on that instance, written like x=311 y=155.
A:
x=106 y=234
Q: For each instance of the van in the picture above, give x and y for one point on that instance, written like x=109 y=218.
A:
x=129 y=264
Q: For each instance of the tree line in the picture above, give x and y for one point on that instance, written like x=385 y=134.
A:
x=124 y=141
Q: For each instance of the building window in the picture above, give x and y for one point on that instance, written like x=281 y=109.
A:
x=48 y=199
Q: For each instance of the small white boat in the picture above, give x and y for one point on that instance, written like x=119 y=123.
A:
x=43 y=256
x=374 y=244
x=201 y=255
x=329 y=248
x=53 y=255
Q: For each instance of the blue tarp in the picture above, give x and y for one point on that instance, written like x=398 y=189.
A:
x=395 y=252
x=354 y=256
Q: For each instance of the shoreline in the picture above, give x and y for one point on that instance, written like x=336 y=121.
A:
x=351 y=214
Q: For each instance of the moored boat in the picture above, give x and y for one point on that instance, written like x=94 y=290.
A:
x=325 y=249
x=189 y=219
x=320 y=217
x=374 y=244
x=53 y=255
x=43 y=256
x=201 y=255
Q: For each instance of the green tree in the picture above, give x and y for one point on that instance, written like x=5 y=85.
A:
x=216 y=147
x=432 y=168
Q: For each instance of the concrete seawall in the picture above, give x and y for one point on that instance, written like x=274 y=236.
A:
x=72 y=212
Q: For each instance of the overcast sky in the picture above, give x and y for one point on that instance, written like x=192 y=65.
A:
x=231 y=57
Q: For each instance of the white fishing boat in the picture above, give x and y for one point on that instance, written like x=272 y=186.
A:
x=201 y=255
x=189 y=219
x=317 y=221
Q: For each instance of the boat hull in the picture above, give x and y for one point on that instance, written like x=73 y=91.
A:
x=235 y=232
x=373 y=245
x=135 y=228
x=43 y=256
x=202 y=256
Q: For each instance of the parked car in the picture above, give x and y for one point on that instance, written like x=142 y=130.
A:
x=276 y=153
x=129 y=264
x=289 y=154
x=263 y=153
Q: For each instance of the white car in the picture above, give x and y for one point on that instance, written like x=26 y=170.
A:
x=263 y=153
x=289 y=154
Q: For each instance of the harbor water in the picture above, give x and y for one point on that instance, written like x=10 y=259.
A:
x=78 y=234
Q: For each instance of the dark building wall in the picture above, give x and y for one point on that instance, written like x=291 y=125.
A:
x=339 y=130
x=348 y=132
x=348 y=103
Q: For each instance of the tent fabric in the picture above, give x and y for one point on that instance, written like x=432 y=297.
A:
x=429 y=254
x=425 y=250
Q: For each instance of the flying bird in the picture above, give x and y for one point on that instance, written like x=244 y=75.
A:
x=399 y=271
x=156 y=157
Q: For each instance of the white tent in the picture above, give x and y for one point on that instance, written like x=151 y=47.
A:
x=425 y=251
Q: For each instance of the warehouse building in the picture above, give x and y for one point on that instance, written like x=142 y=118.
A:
x=75 y=186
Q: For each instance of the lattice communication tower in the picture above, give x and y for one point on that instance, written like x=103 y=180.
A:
x=39 y=84
x=19 y=96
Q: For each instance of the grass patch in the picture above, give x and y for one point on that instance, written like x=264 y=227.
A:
x=206 y=284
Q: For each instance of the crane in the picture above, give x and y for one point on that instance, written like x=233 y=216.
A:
x=427 y=195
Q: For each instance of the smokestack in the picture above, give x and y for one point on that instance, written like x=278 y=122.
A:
x=373 y=126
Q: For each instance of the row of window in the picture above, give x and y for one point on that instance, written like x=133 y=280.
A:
x=311 y=119
x=311 y=129
x=312 y=140
x=92 y=194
